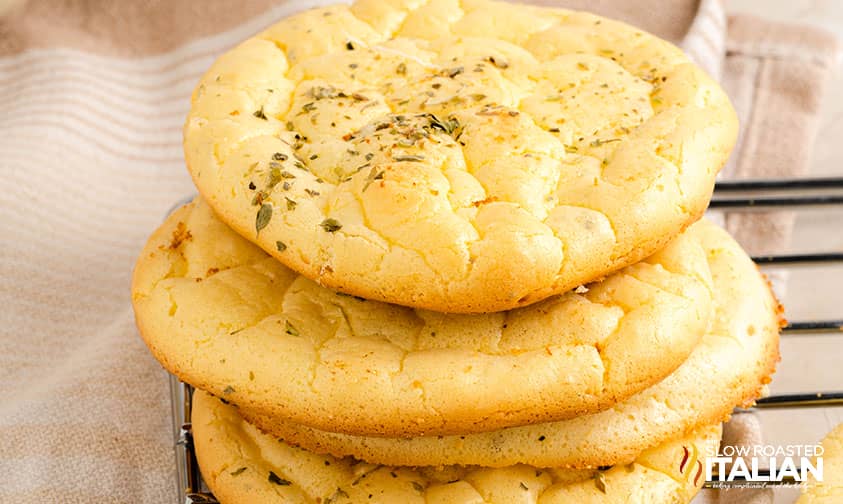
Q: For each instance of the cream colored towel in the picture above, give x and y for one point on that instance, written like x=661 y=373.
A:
x=93 y=94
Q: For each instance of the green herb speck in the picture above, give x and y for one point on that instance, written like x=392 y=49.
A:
x=598 y=142
x=412 y=158
x=263 y=216
x=274 y=478
x=331 y=225
x=453 y=72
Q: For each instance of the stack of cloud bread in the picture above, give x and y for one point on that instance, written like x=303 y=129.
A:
x=449 y=252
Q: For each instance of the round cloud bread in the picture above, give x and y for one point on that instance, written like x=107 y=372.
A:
x=467 y=156
x=830 y=489
x=241 y=464
x=225 y=317
x=729 y=367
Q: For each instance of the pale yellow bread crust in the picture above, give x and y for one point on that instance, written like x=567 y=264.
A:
x=536 y=149
x=830 y=489
x=220 y=314
x=244 y=466
x=729 y=368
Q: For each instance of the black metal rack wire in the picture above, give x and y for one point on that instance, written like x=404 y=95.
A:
x=732 y=196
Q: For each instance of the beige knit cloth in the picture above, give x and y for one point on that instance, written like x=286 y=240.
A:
x=94 y=93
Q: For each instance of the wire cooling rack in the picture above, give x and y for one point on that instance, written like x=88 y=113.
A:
x=732 y=196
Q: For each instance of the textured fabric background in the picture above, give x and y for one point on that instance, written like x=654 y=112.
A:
x=93 y=94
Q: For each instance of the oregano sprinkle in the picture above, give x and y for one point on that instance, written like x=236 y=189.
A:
x=413 y=158
x=274 y=478
x=331 y=225
x=263 y=216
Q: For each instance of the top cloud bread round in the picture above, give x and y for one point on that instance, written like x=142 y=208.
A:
x=467 y=156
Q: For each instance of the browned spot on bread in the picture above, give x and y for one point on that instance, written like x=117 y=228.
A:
x=180 y=235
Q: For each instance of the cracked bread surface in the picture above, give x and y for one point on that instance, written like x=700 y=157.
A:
x=243 y=465
x=224 y=316
x=729 y=367
x=458 y=156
